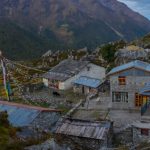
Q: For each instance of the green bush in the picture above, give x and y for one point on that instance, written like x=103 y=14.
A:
x=4 y=119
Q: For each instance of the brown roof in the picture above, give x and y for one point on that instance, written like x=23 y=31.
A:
x=28 y=106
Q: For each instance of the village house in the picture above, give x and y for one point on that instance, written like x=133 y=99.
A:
x=141 y=132
x=86 y=85
x=87 y=134
x=30 y=118
x=66 y=72
x=141 y=129
x=126 y=81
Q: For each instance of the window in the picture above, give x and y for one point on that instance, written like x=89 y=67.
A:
x=53 y=84
x=120 y=97
x=145 y=132
x=122 y=80
x=138 y=100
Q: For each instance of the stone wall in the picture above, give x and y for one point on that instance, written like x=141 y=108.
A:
x=76 y=143
x=79 y=89
x=138 y=137
x=45 y=121
x=123 y=138
x=133 y=85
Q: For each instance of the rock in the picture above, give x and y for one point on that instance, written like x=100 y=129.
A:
x=48 y=145
x=48 y=53
x=130 y=53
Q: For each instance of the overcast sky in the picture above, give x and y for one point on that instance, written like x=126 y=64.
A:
x=141 y=6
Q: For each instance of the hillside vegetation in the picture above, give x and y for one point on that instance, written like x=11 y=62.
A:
x=9 y=139
x=143 y=42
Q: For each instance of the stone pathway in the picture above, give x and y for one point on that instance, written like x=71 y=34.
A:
x=99 y=108
x=123 y=119
x=100 y=103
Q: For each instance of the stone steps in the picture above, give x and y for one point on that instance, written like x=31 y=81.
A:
x=145 y=118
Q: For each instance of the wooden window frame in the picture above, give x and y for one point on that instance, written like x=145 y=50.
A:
x=120 y=97
x=145 y=132
x=138 y=100
x=122 y=80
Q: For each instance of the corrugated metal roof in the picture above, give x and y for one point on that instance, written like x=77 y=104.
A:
x=136 y=64
x=145 y=90
x=93 y=130
x=28 y=106
x=19 y=117
x=87 y=81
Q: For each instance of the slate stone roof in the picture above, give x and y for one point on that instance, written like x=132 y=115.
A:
x=65 y=69
x=82 y=128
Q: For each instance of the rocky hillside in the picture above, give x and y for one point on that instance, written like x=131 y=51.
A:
x=143 y=42
x=131 y=53
x=30 y=27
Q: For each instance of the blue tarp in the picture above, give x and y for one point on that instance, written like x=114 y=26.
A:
x=18 y=116
x=136 y=64
x=87 y=81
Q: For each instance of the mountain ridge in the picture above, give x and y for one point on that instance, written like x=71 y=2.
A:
x=70 y=24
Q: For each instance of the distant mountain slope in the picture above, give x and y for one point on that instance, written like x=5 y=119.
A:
x=17 y=42
x=55 y=24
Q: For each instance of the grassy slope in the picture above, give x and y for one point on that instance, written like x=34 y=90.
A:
x=143 y=42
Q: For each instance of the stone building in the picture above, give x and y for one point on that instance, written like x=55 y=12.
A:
x=61 y=76
x=86 y=85
x=86 y=134
x=125 y=84
x=141 y=129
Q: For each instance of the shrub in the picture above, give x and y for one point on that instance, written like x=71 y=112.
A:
x=4 y=119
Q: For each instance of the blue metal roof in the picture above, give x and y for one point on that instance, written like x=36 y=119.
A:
x=145 y=90
x=18 y=116
x=136 y=64
x=87 y=81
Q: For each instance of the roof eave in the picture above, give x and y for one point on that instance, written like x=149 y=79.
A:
x=109 y=74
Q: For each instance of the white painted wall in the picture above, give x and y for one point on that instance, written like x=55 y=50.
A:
x=67 y=84
x=94 y=72
x=45 y=81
